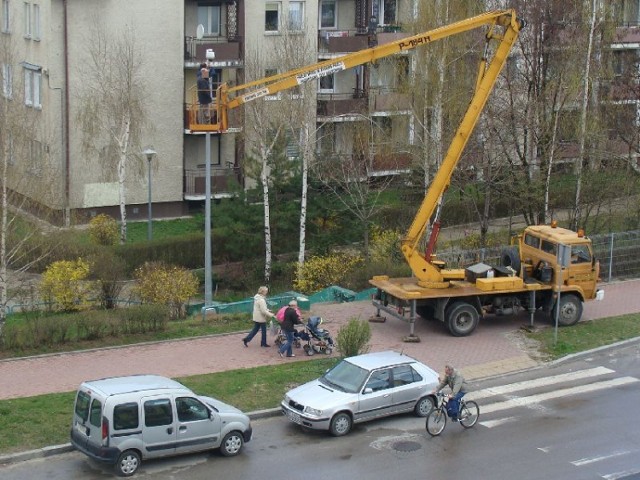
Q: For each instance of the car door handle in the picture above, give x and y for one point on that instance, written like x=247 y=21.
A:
x=170 y=430
x=183 y=428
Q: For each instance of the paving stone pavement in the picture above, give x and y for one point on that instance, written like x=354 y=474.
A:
x=494 y=348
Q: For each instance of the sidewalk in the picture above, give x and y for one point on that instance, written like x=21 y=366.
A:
x=494 y=348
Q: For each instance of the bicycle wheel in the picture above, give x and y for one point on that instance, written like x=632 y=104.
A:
x=436 y=421
x=469 y=414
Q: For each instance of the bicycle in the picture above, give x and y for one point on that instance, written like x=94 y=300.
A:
x=437 y=418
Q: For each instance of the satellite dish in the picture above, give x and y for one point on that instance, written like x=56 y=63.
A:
x=200 y=31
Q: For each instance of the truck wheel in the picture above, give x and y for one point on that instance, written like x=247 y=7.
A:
x=570 y=310
x=510 y=258
x=462 y=319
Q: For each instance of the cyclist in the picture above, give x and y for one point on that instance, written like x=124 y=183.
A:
x=458 y=385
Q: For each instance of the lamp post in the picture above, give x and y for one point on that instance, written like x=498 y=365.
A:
x=149 y=152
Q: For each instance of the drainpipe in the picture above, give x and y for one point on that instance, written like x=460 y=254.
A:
x=65 y=126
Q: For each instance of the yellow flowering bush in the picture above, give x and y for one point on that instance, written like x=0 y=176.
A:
x=320 y=272
x=384 y=245
x=64 y=283
x=103 y=230
x=170 y=285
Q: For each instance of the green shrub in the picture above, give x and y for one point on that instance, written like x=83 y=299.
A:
x=320 y=272
x=353 y=338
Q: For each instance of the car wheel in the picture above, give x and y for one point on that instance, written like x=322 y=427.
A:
x=128 y=463
x=231 y=444
x=340 y=424
x=424 y=406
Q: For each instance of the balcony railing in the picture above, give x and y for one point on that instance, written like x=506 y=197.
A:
x=224 y=181
x=228 y=50
x=343 y=41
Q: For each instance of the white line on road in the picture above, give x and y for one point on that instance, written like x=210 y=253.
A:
x=534 y=399
x=539 y=382
x=617 y=475
x=586 y=461
x=500 y=421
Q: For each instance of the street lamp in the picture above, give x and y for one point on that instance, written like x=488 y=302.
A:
x=149 y=152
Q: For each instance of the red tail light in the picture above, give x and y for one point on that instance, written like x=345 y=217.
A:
x=105 y=430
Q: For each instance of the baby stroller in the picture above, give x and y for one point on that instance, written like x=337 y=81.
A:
x=319 y=340
x=297 y=338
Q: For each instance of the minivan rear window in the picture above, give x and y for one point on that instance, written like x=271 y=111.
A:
x=96 y=413
x=83 y=400
x=125 y=416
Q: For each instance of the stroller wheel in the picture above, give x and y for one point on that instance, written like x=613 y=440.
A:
x=328 y=351
x=308 y=350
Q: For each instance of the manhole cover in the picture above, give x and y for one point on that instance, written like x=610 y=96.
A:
x=406 y=446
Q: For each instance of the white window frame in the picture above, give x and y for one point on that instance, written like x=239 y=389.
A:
x=27 y=19
x=32 y=87
x=268 y=8
x=335 y=15
x=5 y=17
x=378 y=10
x=36 y=31
x=7 y=80
x=296 y=24
x=211 y=27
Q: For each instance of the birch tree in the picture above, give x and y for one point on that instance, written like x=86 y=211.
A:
x=113 y=111
x=24 y=167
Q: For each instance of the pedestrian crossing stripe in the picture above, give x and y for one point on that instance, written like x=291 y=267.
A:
x=538 y=382
x=536 y=399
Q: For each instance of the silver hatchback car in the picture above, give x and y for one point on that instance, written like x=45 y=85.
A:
x=362 y=388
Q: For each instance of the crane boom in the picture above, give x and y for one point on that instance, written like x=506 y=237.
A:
x=254 y=90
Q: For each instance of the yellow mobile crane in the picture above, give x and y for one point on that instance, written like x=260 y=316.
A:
x=531 y=277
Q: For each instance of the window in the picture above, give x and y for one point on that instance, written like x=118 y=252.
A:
x=5 y=16
x=548 y=247
x=292 y=147
x=626 y=12
x=27 y=19
x=125 y=416
x=191 y=410
x=404 y=375
x=328 y=14
x=326 y=84
x=580 y=254
x=531 y=240
x=379 y=380
x=32 y=85
x=7 y=80
x=95 y=416
x=296 y=16
x=384 y=11
x=36 y=22
x=272 y=17
x=209 y=18
x=157 y=413
x=82 y=405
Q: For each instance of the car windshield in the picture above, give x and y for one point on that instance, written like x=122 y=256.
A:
x=345 y=376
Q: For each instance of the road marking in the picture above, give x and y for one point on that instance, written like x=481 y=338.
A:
x=498 y=422
x=586 y=461
x=535 y=399
x=617 y=475
x=539 y=382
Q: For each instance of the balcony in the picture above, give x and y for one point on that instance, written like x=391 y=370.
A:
x=388 y=100
x=332 y=42
x=225 y=182
x=228 y=51
x=337 y=104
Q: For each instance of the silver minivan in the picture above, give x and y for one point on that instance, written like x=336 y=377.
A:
x=123 y=420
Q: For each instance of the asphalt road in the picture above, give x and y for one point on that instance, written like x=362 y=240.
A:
x=576 y=419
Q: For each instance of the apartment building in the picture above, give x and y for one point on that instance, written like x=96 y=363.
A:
x=46 y=43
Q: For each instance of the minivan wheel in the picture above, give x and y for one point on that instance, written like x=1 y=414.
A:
x=231 y=444
x=340 y=424
x=128 y=463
